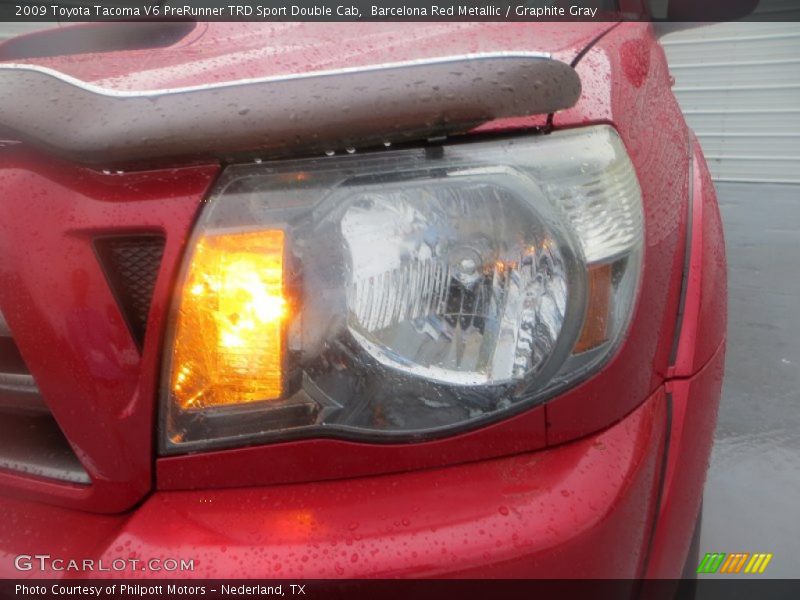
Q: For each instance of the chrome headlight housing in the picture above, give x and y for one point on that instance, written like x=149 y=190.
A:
x=401 y=294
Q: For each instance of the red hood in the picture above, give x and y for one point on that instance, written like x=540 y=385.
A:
x=219 y=52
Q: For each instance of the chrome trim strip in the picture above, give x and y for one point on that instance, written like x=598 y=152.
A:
x=35 y=446
x=281 y=115
x=32 y=442
x=18 y=382
x=18 y=390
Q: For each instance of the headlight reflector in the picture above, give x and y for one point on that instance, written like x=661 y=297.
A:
x=456 y=281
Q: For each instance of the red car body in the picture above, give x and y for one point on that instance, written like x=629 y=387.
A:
x=603 y=481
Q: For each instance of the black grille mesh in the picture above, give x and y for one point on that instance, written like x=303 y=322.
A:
x=131 y=265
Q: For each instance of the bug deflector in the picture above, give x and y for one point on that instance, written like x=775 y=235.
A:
x=313 y=111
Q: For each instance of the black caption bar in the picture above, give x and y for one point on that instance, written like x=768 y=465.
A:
x=394 y=10
x=711 y=589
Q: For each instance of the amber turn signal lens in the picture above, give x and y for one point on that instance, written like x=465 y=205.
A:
x=229 y=332
x=595 y=325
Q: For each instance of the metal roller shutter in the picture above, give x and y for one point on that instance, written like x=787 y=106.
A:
x=739 y=87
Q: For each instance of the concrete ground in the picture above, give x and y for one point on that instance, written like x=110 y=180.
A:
x=752 y=494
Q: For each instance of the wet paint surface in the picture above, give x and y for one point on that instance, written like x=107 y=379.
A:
x=535 y=514
x=753 y=486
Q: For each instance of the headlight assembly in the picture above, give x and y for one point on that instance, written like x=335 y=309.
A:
x=402 y=294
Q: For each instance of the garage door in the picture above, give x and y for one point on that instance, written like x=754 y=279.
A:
x=739 y=87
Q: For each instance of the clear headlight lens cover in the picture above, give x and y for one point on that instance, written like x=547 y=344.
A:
x=401 y=294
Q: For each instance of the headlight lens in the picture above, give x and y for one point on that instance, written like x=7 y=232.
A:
x=401 y=294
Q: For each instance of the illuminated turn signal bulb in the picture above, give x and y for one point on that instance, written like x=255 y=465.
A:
x=229 y=333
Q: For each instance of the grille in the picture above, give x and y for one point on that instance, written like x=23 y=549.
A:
x=131 y=265
x=18 y=391
x=31 y=441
